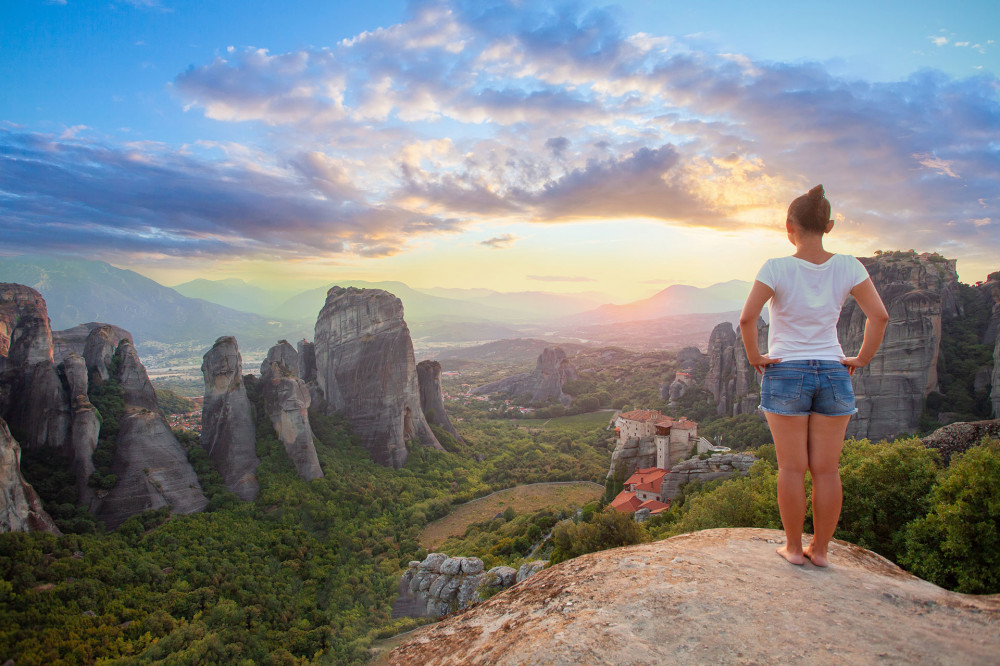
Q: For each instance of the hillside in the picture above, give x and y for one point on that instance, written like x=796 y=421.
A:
x=676 y=299
x=709 y=598
x=165 y=324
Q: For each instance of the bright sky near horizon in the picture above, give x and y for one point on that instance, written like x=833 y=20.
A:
x=554 y=146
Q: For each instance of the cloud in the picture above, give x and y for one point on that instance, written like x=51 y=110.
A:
x=560 y=278
x=473 y=111
x=89 y=198
x=501 y=242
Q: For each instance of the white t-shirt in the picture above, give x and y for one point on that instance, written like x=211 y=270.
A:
x=806 y=305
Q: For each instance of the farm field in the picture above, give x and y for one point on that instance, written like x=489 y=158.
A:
x=523 y=499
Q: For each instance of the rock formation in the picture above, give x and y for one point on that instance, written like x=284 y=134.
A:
x=442 y=584
x=731 y=380
x=995 y=380
x=688 y=361
x=287 y=400
x=710 y=598
x=85 y=426
x=960 y=437
x=365 y=368
x=307 y=373
x=33 y=400
x=78 y=340
x=632 y=454
x=432 y=396
x=131 y=373
x=227 y=426
x=20 y=508
x=152 y=470
x=716 y=466
x=918 y=290
x=552 y=370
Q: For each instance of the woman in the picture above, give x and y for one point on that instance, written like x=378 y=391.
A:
x=806 y=390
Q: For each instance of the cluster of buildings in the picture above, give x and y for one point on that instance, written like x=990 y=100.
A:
x=643 y=491
x=190 y=420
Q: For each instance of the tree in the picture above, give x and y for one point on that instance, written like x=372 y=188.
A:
x=957 y=544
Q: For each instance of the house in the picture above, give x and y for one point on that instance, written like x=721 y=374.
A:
x=643 y=490
x=673 y=438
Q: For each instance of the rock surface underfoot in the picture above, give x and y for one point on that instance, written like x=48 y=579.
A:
x=717 y=596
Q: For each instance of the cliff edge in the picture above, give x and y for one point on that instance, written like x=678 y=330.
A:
x=717 y=596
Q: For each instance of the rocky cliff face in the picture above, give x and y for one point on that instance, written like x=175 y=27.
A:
x=102 y=346
x=632 y=454
x=20 y=508
x=307 y=373
x=432 y=396
x=716 y=466
x=552 y=370
x=918 y=290
x=366 y=370
x=85 y=426
x=152 y=469
x=617 y=606
x=287 y=400
x=731 y=380
x=33 y=400
x=227 y=426
x=440 y=584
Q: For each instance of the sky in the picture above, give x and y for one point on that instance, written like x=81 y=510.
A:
x=511 y=145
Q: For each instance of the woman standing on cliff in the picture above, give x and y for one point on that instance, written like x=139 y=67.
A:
x=806 y=390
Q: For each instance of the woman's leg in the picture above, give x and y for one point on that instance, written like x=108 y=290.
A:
x=791 y=435
x=826 y=439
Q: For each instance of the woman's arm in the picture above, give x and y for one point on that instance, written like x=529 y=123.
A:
x=871 y=304
x=760 y=294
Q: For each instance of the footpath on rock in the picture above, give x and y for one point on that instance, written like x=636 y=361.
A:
x=716 y=596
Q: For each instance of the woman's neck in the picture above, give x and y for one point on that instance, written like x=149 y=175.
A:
x=809 y=247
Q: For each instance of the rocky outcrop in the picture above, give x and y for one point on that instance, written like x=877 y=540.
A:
x=689 y=360
x=131 y=374
x=544 y=385
x=307 y=373
x=432 y=396
x=716 y=466
x=20 y=507
x=918 y=291
x=85 y=426
x=616 y=607
x=102 y=346
x=442 y=584
x=632 y=454
x=960 y=437
x=227 y=425
x=995 y=380
x=33 y=400
x=287 y=400
x=731 y=379
x=152 y=470
x=366 y=370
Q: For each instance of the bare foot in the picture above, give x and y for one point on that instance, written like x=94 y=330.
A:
x=819 y=559
x=794 y=558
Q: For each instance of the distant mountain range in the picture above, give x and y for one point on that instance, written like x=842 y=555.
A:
x=163 y=322
x=678 y=299
x=170 y=324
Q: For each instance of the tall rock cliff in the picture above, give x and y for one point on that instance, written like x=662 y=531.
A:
x=20 y=508
x=227 y=426
x=307 y=373
x=33 y=400
x=152 y=469
x=918 y=291
x=366 y=370
x=545 y=384
x=85 y=426
x=731 y=379
x=287 y=400
x=432 y=396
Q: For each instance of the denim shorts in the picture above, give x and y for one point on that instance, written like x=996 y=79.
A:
x=800 y=388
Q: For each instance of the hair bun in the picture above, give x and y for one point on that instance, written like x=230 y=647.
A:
x=816 y=192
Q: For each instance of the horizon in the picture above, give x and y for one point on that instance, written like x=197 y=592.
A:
x=553 y=148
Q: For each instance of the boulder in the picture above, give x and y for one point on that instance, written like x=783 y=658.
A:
x=366 y=370
x=227 y=426
x=440 y=584
x=286 y=401
x=552 y=370
x=960 y=437
x=530 y=569
x=20 y=507
x=722 y=596
x=432 y=396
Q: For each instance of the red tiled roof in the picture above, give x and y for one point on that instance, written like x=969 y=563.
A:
x=647 y=475
x=626 y=502
x=651 y=486
x=642 y=415
x=654 y=506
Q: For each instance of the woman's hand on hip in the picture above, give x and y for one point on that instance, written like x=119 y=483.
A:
x=761 y=361
x=853 y=363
